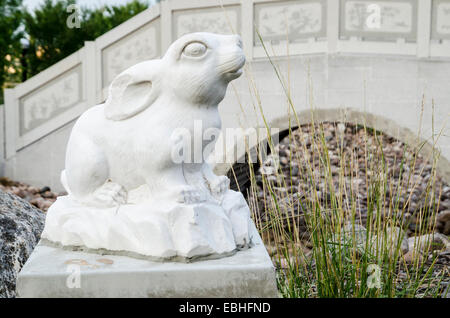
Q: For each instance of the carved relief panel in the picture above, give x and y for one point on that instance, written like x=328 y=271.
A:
x=293 y=20
x=224 y=20
x=140 y=45
x=379 y=20
x=440 y=25
x=50 y=100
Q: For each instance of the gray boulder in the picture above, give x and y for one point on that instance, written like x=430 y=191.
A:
x=21 y=225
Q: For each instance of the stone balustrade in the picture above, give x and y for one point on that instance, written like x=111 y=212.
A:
x=399 y=48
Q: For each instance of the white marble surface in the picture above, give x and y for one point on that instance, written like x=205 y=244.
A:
x=154 y=229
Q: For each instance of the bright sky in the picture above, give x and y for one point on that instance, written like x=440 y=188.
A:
x=32 y=4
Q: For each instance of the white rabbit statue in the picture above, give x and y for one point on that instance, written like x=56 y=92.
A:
x=125 y=192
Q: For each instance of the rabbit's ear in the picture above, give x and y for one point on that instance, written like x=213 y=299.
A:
x=128 y=95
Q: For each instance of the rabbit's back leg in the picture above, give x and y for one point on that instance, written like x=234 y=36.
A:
x=88 y=176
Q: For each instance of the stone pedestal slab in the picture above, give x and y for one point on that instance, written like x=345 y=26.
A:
x=54 y=272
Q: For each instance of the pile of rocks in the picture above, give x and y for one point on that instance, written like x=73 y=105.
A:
x=349 y=148
x=42 y=198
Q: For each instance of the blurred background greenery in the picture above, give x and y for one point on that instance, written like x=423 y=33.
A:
x=35 y=37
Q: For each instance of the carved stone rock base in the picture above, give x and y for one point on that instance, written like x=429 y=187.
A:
x=157 y=230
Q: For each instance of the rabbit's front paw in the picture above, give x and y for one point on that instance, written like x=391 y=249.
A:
x=111 y=194
x=219 y=186
x=189 y=195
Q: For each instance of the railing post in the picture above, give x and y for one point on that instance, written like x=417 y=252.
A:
x=333 y=13
x=98 y=74
x=2 y=139
x=423 y=28
x=247 y=28
x=90 y=73
x=11 y=122
x=166 y=25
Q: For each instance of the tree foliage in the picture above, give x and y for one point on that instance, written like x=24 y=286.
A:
x=10 y=19
x=51 y=39
x=32 y=41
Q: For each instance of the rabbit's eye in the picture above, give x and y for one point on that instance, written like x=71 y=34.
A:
x=195 y=49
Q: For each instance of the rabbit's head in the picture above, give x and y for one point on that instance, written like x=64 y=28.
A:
x=200 y=66
x=196 y=69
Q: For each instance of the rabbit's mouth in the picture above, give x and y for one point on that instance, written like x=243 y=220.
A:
x=235 y=69
x=236 y=73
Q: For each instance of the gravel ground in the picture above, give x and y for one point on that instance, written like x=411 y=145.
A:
x=41 y=198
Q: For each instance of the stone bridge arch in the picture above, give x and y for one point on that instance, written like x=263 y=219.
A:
x=240 y=176
x=400 y=96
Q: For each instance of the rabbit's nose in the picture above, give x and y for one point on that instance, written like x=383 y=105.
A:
x=236 y=40
x=239 y=41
